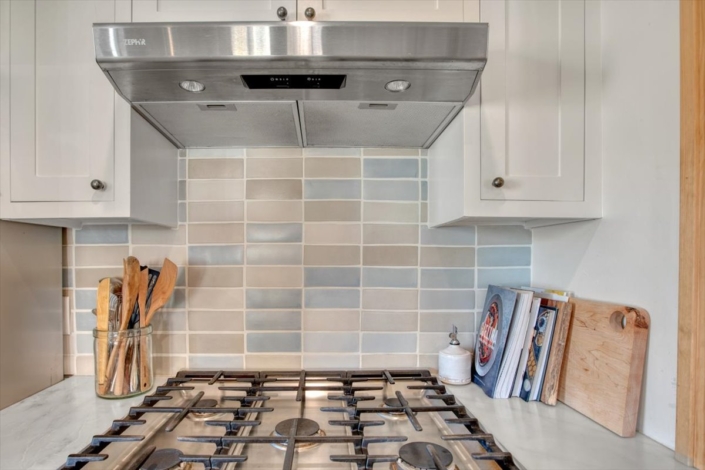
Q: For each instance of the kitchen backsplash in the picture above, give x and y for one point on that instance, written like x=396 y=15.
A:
x=285 y=261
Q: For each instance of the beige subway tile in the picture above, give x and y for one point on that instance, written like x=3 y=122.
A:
x=275 y=168
x=215 y=168
x=229 y=343
x=331 y=320
x=389 y=321
x=279 y=276
x=274 y=152
x=332 y=167
x=444 y=257
x=169 y=321
x=390 y=299
x=390 y=255
x=390 y=152
x=428 y=361
x=324 y=255
x=402 y=212
x=216 y=211
x=215 y=276
x=273 y=189
x=89 y=277
x=332 y=234
x=216 y=190
x=215 y=298
x=388 y=360
x=165 y=343
x=155 y=235
x=101 y=255
x=153 y=255
x=216 y=233
x=273 y=361
x=167 y=365
x=274 y=211
x=390 y=234
x=332 y=211
x=216 y=320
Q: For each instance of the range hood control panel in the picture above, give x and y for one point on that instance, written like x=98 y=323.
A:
x=260 y=82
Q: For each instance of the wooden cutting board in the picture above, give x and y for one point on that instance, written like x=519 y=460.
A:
x=604 y=363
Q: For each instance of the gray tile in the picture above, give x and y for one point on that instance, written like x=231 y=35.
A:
x=503 y=235
x=332 y=298
x=84 y=344
x=85 y=299
x=215 y=168
x=390 y=255
x=332 y=277
x=331 y=342
x=214 y=276
x=424 y=168
x=182 y=213
x=388 y=361
x=389 y=277
x=263 y=320
x=273 y=189
x=273 y=233
x=208 y=255
x=331 y=152
x=220 y=298
x=441 y=257
x=182 y=190
x=273 y=342
x=274 y=254
x=221 y=343
x=85 y=321
x=101 y=234
x=89 y=277
x=273 y=298
x=216 y=190
x=390 y=234
x=391 y=167
x=220 y=233
x=391 y=190
x=167 y=343
x=216 y=362
x=332 y=167
x=332 y=189
x=177 y=300
x=325 y=255
x=214 y=320
x=331 y=361
x=389 y=342
x=401 y=212
x=331 y=320
x=175 y=320
x=274 y=211
x=504 y=256
x=389 y=321
x=274 y=276
x=156 y=235
x=510 y=277
x=332 y=211
x=447 y=300
x=461 y=236
x=424 y=190
x=448 y=278
x=275 y=168
x=273 y=361
x=443 y=321
x=182 y=169
x=390 y=299
x=231 y=211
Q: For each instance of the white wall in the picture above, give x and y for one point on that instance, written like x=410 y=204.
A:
x=631 y=255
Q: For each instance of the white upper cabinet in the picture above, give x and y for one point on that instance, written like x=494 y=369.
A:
x=383 y=10
x=212 y=10
x=527 y=146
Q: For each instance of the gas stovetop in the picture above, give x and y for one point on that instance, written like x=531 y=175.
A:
x=358 y=420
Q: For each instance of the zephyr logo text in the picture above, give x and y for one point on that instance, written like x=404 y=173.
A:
x=135 y=42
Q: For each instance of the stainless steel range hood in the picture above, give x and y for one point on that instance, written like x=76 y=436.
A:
x=295 y=84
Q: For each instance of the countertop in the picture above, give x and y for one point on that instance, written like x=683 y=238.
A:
x=40 y=431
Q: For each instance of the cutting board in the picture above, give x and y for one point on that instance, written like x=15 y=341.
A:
x=604 y=363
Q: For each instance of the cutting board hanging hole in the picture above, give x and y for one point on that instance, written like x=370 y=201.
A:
x=618 y=320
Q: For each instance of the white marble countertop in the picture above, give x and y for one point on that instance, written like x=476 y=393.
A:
x=40 y=431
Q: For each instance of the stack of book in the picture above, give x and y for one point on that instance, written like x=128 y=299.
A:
x=520 y=344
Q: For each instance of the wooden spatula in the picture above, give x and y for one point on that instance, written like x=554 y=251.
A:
x=130 y=289
x=102 y=314
x=163 y=289
x=142 y=302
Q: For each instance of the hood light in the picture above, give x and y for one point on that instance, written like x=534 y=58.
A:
x=193 y=86
x=396 y=86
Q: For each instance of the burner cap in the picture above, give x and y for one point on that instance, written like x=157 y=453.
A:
x=392 y=402
x=416 y=455
x=206 y=403
x=162 y=459
x=306 y=427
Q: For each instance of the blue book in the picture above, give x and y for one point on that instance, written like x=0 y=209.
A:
x=491 y=340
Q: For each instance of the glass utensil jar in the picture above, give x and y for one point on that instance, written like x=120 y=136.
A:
x=123 y=362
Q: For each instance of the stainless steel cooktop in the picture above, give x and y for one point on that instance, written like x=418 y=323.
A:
x=360 y=419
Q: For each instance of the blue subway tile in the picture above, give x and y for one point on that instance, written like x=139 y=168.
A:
x=85 y=299
x=391 y=168
x=101 y=235
x=274 y=233
x=85 y=321
x=273 y=342
x=510 y=277
x=503 y=235
x=424 y=190
x=389 y=277
x=209 y=255
x=504 y=256
x=454 y=236
x=274 y=254
x=447 y=299
x=177 y=299
x=391 y=190
x=331 y=342
x=216 y=362
x=448 y=278
x=389 y=342
x=332 y=189
x=332 y=298
x=273 y=298
x=273 y=320
x=424 y=168
x=332 y=277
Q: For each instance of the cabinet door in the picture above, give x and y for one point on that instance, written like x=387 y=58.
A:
x=532 y=114
x=61 y=104
x=383 y=10
x=210 y=10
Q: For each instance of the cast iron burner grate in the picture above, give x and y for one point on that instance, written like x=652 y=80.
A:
x=345 y=386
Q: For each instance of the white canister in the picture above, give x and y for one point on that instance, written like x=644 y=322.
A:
x=454 y=362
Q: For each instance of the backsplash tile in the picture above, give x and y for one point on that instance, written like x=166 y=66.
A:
x=293 y=258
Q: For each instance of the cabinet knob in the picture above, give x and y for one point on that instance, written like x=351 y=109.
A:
x=98 y=185
x=282 y=13
x=498 y=182
x=310 y=13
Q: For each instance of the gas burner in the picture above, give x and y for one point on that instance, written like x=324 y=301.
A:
x=165 y=459
x=205 y=416
x=305 y=428
x=389 y=414
x=417 y=456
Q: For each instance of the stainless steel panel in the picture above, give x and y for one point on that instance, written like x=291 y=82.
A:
x=242 y=124
x=354 y=124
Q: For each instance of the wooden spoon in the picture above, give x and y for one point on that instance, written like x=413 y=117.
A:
x=102 y=314
x=163 y=289
x=130 y=289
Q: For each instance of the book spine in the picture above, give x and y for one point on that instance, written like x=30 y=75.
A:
x=549 y=392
